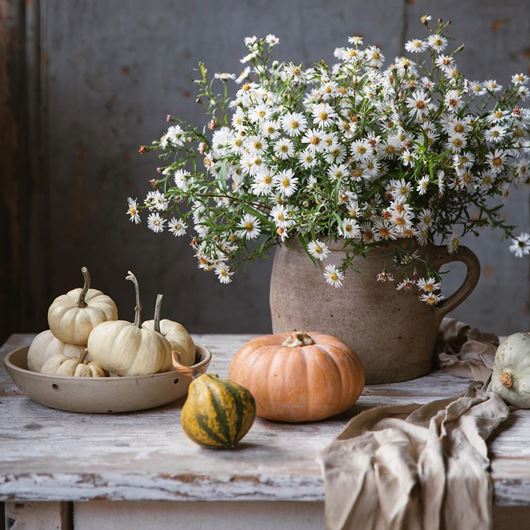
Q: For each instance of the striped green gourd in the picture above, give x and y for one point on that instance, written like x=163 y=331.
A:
x=217 y=413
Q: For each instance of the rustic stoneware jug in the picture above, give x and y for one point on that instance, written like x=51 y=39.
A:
x=392 y=332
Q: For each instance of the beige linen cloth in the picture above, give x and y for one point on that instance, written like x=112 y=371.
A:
x=420 y=467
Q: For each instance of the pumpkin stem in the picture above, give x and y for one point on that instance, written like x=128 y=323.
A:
x=296 y=339
x=158 y=305
x=86 y=286
x=83 y=356
x=506 y=379
x=138 y=307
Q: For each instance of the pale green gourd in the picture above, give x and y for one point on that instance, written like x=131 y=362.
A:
x=511 y=372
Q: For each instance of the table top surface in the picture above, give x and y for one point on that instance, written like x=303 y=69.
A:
x=48 y=454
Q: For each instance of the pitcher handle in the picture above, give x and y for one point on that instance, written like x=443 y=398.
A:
x=466 y=256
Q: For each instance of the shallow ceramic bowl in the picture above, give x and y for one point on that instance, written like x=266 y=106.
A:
x=103 y=394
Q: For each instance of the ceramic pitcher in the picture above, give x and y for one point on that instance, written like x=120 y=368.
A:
x=393 y=332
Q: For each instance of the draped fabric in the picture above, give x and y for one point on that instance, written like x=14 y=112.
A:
x=420 y=467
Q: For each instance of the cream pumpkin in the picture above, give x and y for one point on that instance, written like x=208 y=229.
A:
x=45 y=345
x=72 y=316
x=176 y=334
x=297 y=376
x=125 y=348
x=511 y=371
x=62 y=365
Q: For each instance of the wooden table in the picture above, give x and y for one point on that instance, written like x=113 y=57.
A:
x=51 y=462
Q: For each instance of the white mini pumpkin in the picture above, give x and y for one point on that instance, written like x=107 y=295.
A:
x=45 y=345
x=511 y=372
x=72 y=316
x=176 y=334
x=62 y=365
x=125 y=348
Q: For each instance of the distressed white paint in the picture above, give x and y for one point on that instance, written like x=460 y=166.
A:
x=54 y=455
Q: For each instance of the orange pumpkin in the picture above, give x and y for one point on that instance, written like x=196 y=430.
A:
x=299 y=376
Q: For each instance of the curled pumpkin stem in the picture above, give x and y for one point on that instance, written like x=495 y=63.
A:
x=86 y=286
x=158 y=306
x=138 y=307
x=296 y=339
x=506 y=379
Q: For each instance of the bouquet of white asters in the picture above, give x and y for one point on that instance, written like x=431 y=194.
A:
x=352 y=150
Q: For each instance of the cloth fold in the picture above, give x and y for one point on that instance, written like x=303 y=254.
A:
x=419 y=467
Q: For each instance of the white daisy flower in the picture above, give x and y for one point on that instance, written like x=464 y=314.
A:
x=496 y=134
x=294 y=123
x=405 y=285
x=284 y=148
x=177 y=227
x=180 y=178
x=356 y=40
x=423 y=184
x=272 y=40
x=520 y=79
x=384 y=231
x=401 y=189
x=361 y=150
x=323 y=115
x=223 y=76
x=437 y=42
x=337 y=172
x=444 y=62
x=307 y=159
x=250 y=227
x=453 y=100
x=349 y=229
x=431 y=298
x=492 y=86
x=270 y=129
x=263 y=183
x=132 y=210
x=223 y=273
x=243 y=75
x=333 y=276
x=156 y=223
x=419 y=103
x=428 y=285
x=259 y=113
x=237 y=144
x=156 y=200
x=314 y=140
x=318 y=250
x=374 y=56
x=416 y=46
x=457 y=142
x=279 y=215
x=477 y=88
x=285 y=182
x=425 y=218
x=521 y=245
x=328 y=90
x=336 y=153
x=255 y=144
x=408 y=158
x=173 y=136
x=496 y=160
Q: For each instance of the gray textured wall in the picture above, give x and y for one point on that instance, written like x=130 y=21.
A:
x=109 y=73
